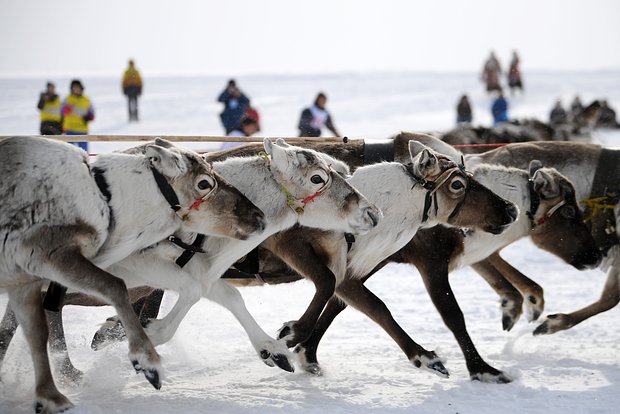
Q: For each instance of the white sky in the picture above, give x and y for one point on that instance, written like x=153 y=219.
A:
x=232 y=37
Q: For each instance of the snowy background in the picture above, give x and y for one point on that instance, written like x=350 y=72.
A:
x=210 y=365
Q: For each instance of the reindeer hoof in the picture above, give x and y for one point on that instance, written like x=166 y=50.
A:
x=432 y=363
x=508 y=322
x=152 y=375
x=283 y=362
x=314 y=369
x=496 y=377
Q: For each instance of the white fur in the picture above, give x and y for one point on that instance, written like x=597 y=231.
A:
x=259 y=181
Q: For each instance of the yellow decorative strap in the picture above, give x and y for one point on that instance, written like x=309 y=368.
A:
x=595 y=204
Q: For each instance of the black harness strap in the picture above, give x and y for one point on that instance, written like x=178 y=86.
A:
x=166 y=190
x=190 y=249
x=350 y=239
x=606 y=182
x=378 y=151
x=534 y=202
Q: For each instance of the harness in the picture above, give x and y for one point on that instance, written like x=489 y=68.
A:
x=535 y=204
x=431 y=188
x=599 y=209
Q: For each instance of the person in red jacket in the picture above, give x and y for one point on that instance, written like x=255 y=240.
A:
x=77 y=111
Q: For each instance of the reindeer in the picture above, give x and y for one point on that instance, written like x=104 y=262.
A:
x=594 y=172
x=64 y=219
x=292 y=186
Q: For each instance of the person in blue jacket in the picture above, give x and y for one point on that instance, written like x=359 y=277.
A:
x=499 y=109
x=235 y=106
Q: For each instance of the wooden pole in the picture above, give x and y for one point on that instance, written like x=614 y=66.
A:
x=179 y=138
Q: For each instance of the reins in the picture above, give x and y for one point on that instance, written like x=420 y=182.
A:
x=433 y=186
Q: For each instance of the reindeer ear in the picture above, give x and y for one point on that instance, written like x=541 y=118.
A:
x=160 y=142
x=268 y=145
x=415 y=147
x=546 y=184
x=167 y=162
x=281 y=142
x=425 y=163
x=535 y=165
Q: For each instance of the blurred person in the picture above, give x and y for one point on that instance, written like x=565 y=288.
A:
x=132 y=88
x=491 y=73
x=236 y=105
x=514 y=74
x=558 y=115
x=463 y=111
x=499 y=108
x=49 y=111
x=248 y=126
x=77 y=111
x=315 y=117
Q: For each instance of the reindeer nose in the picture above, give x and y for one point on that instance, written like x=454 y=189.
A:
x=259 y=218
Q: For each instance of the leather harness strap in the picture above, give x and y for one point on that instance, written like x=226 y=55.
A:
x=606 y=182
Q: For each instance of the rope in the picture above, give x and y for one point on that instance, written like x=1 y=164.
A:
x=596 y=204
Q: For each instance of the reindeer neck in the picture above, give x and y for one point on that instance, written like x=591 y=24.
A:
x=132 y=189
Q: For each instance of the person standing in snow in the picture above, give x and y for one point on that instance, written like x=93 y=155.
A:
x=132 y=88
x=463 y=111
x=77 y=111
x=49 y=108
x=235 y=106
x=491 y=73
x=499 y=108
x=514 y=74
x=315 y=117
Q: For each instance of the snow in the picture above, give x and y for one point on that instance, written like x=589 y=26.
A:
x=211 y=366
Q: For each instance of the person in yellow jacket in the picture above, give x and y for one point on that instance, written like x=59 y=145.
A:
x=77 y=112
x=132 y=88
x=49 y=108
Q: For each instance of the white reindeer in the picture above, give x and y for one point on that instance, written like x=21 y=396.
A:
x=291 y=186
x=64 y=220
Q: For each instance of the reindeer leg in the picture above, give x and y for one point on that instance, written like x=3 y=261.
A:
x=70 y=268
x=26 y=303
x=510 y=298
x=354 y=292
x=270 y=351
x=530 y=290
x=145 y=302
x=58 y=345
x=8 y=326
x=312 y=267
x=610 y=297
x=306 y=351
x=438 y=286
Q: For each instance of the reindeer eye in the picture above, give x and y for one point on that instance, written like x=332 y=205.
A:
x=317 y=179
x=204 y=184
x=568 y=212
x=457 y=185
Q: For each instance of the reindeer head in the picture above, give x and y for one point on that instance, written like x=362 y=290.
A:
x=557 y=222
x=458 y=199
x=208 y=204
x=321 y=197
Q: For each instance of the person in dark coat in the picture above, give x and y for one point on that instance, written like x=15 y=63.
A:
x=235 y=106
x=499 y=109
x=514 y=74
x=315 y=117
x=463 y=111
x=558 y=114
x=491 y=73
x=49 y=109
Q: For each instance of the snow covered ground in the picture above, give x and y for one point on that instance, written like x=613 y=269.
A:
x=211 y=366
